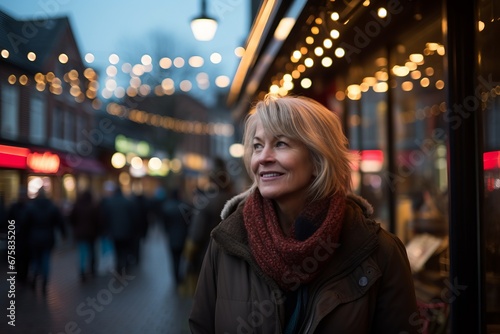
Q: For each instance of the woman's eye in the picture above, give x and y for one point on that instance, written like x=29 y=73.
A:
x=256 y=146
x=280 y=144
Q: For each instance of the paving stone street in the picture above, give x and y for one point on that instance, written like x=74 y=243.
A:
x=142 y=300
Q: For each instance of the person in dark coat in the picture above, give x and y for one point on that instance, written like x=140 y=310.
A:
x=119 y=217
x=143 y=207
x=174 y=216
x=207 y=206
x=17 y=212
x=298 y=252
x=84 y=219
x=44 y=219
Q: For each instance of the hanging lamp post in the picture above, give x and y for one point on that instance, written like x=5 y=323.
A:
x=204 y=27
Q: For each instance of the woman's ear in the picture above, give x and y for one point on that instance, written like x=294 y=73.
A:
x=315 y=171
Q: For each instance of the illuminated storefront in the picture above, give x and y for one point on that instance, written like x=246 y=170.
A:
x=60 y=175
x=139 y=166
x=417 y=86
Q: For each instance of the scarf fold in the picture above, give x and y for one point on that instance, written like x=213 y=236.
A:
x=297 y=259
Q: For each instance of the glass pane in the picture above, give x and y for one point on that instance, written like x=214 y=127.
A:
x=37 y=118
x=10 y=111
x=420 y=181
x=420 y=132
x=489 y=88
x=366 y=102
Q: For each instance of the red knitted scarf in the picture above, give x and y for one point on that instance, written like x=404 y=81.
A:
x=296 y=259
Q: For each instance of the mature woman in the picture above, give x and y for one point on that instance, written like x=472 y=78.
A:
x=297 y=253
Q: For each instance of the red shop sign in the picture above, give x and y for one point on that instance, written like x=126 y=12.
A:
x=13 y=157
x=43 y=162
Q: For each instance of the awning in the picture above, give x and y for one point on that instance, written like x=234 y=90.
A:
x=41 y=160
x=75 y=163
x=270 y=29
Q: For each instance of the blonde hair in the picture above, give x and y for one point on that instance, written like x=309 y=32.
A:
x=309 y=122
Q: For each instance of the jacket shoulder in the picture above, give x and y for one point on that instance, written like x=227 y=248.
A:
x=363 y=204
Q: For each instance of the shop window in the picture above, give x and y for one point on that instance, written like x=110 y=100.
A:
x=38 y=116
x=69 y=187
x=37 y=182
x=420 y=131
x=81 y=127
x=418 y=87
x=411 y=74
x=57 y=128
x=69 y=126
x=366 y=106
x=10 y=111
x=10 y=185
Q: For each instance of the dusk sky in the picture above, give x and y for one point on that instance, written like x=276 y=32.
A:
x=131 y=29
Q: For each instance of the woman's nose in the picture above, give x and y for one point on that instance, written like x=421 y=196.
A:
x=266 y=155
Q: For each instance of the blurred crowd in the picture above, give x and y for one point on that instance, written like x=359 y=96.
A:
x=108 y=230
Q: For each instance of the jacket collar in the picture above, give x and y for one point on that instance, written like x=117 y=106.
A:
x=233 y=203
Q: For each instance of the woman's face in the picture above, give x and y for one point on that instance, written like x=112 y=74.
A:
x=282 y=167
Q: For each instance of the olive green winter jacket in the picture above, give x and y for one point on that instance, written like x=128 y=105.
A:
x=366 y=287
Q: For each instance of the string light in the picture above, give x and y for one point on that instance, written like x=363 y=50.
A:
x=170 y=123
x=111 y=87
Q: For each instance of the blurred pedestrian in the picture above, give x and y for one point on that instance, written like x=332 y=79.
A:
x=17 y=212
x=105 y=254
x=159 y=196
x=44 y=219
x=143 y=206
x=84 y=220
x=118 y=216
x=174 y=213
x=207 y=206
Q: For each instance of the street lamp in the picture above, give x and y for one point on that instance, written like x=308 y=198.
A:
x=204 y=27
